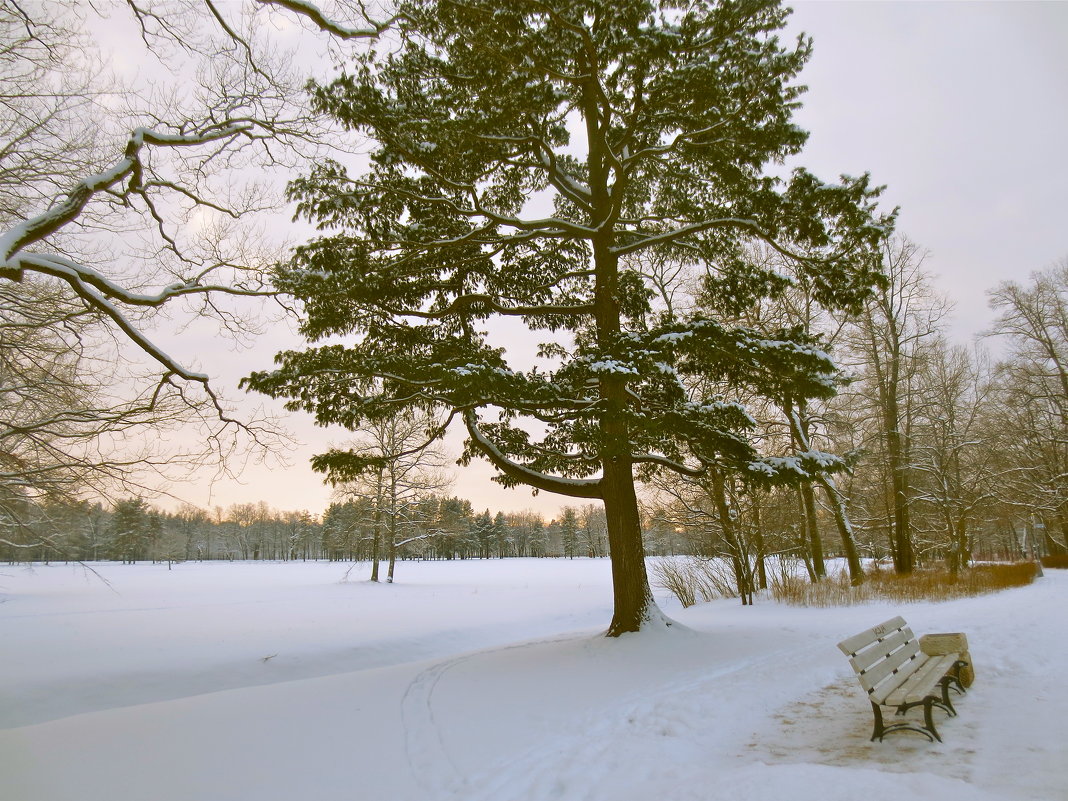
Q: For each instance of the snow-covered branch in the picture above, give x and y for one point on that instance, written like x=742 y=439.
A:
x=340 y=30
x=466 y=304
x=670 y=464
x=572 y=487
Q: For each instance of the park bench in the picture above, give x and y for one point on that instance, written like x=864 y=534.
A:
x=895 y=672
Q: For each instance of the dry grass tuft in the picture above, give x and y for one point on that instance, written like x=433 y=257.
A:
x=932 y=584
x=692 y=578
x=674 y=575
x=1055 y=561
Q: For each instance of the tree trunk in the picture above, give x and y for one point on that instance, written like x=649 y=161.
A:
x=904 y=557
x=743 y=575
x=802 y=538
x=815 y=542
x=393 y=545
x=630 y=582
x=376 y=535
x=845 y=529
x=897 y=462
x=897 y=450
x=375 y=546
x=963 y=547
x=761 y=566
x=392 y=560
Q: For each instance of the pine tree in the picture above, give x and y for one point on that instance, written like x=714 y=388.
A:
x=500 y=535
x=482 y=534
x=569 y=531
x=638 y=127
x=130 y=530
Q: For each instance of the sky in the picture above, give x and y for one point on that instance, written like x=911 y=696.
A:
x=959 y=108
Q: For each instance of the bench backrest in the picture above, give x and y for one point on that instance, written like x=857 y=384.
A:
x=883 y=656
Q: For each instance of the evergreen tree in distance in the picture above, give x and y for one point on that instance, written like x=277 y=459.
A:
x=525 y=154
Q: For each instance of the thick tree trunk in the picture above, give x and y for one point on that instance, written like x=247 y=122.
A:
x=897 y=462
x=633 y=599
x=630 y=582
x=904 y=557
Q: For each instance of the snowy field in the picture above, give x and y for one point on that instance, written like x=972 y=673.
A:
x=487 y=681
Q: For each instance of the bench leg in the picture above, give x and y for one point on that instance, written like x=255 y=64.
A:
x=881 y=730
x=928 y=719
x=946 y=681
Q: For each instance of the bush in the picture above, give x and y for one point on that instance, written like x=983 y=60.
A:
x=674 y=576
x=690 y=578
x=1060 y=561
x=936 y=584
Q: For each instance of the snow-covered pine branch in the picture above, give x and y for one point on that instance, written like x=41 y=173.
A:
x=571 y=487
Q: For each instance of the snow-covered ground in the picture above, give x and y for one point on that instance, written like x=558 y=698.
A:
x=488 y=681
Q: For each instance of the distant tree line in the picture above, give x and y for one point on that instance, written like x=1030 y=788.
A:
x=441 y=527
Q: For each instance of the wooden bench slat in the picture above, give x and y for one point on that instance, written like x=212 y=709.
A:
x=888 y=674
x=851 y=645
x=923 y=682
x=865 y=658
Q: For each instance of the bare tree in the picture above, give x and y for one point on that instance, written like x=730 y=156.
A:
x=955 y=456
x=395 y=471
x=121 y=206
x=722 y=521
x=1033 y=397
x=890 y=340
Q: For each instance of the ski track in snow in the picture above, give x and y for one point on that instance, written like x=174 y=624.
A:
x=423 y=744
x=424 y=738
